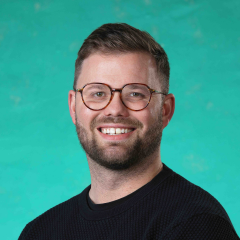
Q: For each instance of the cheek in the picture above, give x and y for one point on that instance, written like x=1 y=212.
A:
x=155 y=108
x=145 y=117
x=150 y=116
x=85 y=116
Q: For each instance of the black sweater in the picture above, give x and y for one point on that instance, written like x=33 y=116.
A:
x=168 y=207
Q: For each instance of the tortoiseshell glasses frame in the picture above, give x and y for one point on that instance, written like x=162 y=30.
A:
x=112 y=90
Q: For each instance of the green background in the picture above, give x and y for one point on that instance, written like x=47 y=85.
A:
x=42 y=163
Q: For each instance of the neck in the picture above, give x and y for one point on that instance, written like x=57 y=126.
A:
x=108 y=185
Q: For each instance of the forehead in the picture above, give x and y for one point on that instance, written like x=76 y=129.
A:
x=117 y=70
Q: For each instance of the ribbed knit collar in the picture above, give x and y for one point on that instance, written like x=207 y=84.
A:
x=109 y=205
x=89 y=214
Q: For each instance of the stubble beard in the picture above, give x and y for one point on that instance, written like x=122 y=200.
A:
x=134 y=154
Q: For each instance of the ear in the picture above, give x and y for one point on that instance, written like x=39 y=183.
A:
x=71 y=104
x=168 y=109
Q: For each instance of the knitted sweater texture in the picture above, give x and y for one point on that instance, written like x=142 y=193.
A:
x=168 y=207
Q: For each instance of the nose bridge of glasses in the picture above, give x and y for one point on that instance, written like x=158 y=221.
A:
x=117 y=90
x=113 y=90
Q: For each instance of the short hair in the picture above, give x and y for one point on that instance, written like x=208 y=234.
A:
x=122 y=38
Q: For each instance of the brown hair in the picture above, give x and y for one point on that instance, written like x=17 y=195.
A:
x=121 y=37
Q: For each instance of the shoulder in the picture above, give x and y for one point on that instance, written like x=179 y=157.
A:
x=203 y=226
x=180 y=200
x=55 y=215
x=192 y=199
x=193 y=211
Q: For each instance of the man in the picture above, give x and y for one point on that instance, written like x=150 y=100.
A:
x=120 y=106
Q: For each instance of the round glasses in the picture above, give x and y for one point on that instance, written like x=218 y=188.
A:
x=134 y=96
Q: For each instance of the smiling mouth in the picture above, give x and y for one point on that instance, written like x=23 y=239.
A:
x=115 y=131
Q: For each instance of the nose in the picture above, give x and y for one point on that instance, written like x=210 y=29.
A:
x=116 y=107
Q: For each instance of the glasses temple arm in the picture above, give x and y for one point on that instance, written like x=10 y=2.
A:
x=78 y=90
x=155 y=91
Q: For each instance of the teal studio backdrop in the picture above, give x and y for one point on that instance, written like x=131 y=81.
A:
x=41 y=161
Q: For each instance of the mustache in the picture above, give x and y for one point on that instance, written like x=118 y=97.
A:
x=126 y=121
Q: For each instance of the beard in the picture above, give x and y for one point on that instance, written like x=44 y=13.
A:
x=133 y=154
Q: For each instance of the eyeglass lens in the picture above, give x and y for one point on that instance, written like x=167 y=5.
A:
x=134 y=96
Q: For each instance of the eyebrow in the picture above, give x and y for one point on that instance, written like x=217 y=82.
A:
x=135 y=86
x=98 y=86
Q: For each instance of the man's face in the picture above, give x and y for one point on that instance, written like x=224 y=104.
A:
x=144 y=128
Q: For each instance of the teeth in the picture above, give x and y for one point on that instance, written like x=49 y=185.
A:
x=115 y=131
x=118 y=130
x=112 y=130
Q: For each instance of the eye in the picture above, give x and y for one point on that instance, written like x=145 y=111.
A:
x=136 y=94
x=98 y=94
